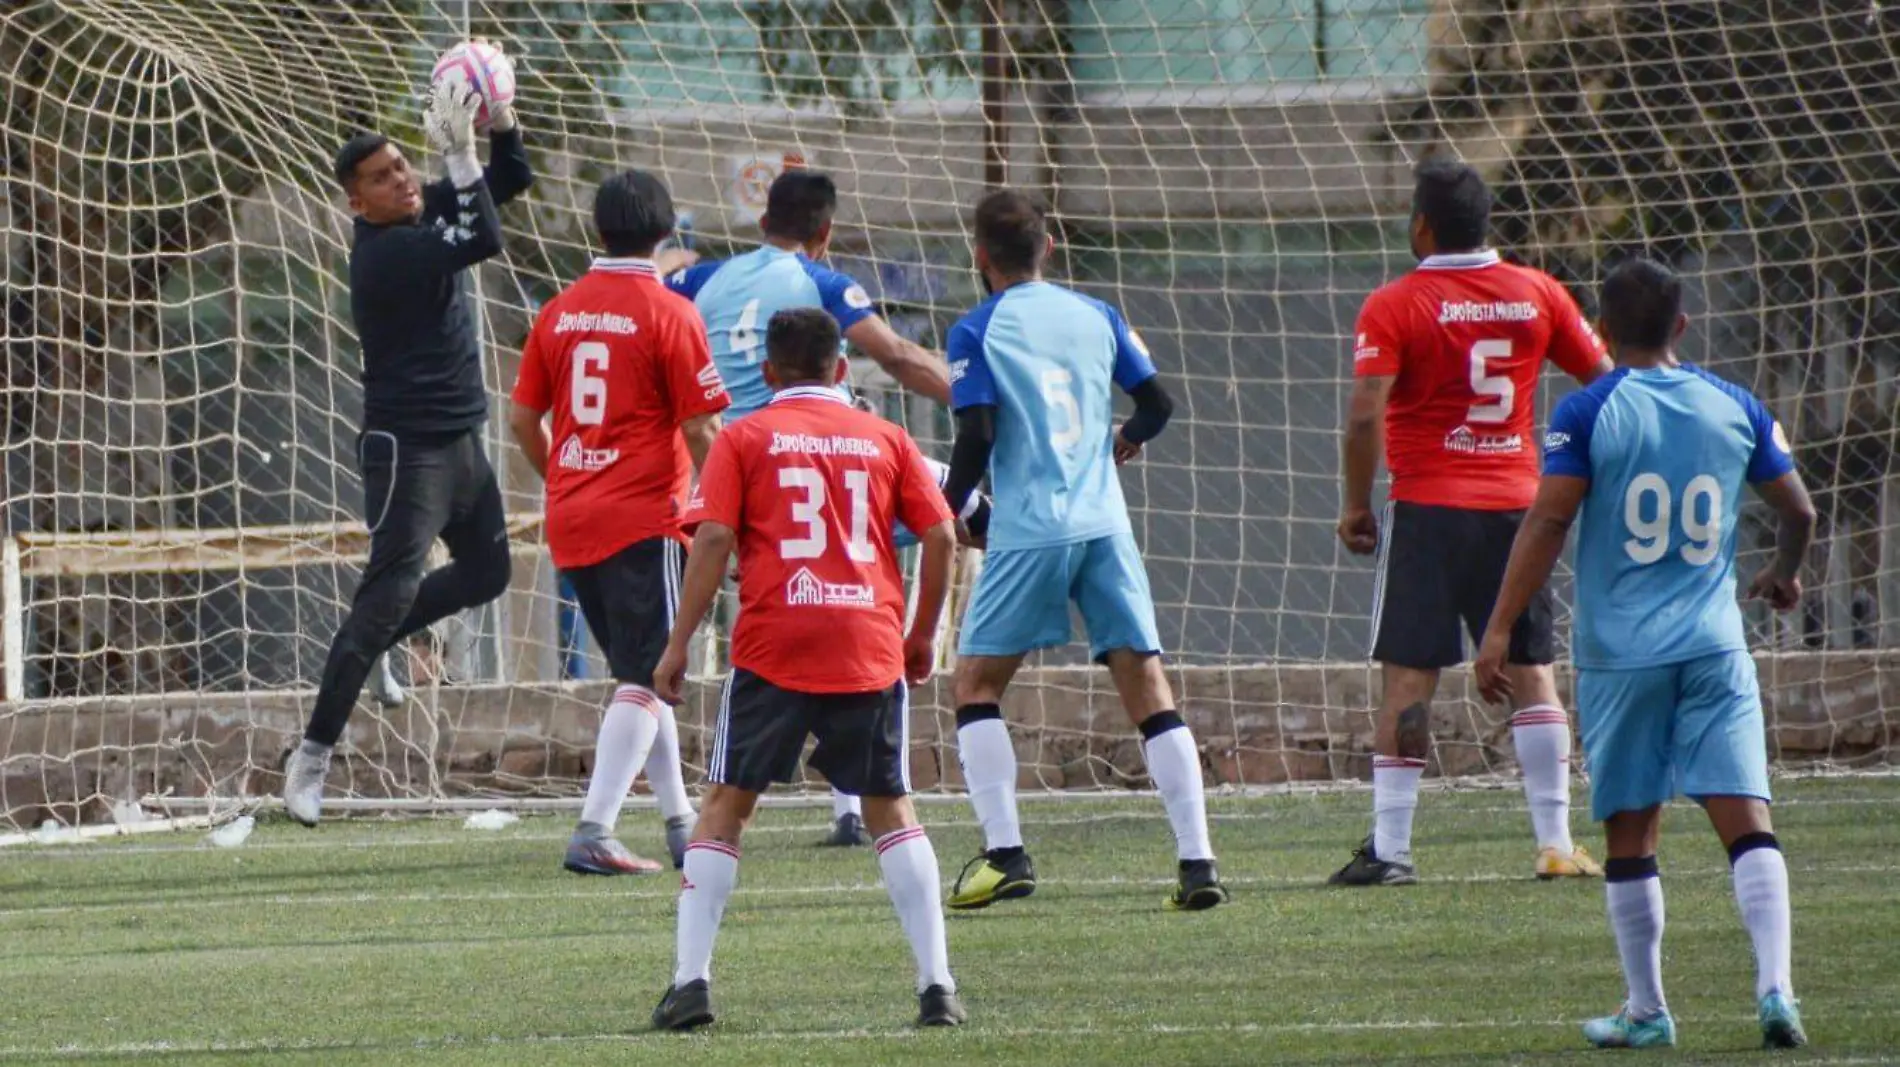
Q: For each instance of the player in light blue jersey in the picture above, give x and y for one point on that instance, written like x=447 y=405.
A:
x=1033 y=369
x=1654 y=457
x=738 y=296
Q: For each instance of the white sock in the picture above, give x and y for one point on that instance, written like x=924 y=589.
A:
x=843 y=804
x=706 y=883
x=1175 y=765
x=989 y=770
x=1761 y=894
x=1636 y=915
x=626 y=733
x=664 y=774
x=1541 y=735
x=909 y=865
x=1394 y=799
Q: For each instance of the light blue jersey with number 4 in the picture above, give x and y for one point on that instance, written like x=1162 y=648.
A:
x=737 y=297
x=1667 y=451
x=1048 y=358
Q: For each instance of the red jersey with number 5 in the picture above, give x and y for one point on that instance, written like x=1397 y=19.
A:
x=813 y=487
x=621 y=362
x=1466 y=337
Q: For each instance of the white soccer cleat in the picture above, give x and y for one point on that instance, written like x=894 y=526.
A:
x=304 y=773
x=383 y=686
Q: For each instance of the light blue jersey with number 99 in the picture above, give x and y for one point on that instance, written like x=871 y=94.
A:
x=1668 y=452
x=738 y=297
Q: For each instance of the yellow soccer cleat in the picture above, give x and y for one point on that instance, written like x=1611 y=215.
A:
x=1578 y=864
x=989 y=878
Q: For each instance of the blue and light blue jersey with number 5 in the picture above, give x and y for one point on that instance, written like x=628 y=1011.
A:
x=737 y=297
x=1047 y=358
x=1668 y=452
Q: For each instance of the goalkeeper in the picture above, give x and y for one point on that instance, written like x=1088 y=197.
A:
x=420 y=453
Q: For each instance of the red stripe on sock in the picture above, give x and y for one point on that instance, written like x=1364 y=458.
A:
x=1541 y=719
x=715 y=846
x=897 y=837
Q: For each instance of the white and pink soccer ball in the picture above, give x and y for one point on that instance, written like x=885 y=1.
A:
x=486 y=68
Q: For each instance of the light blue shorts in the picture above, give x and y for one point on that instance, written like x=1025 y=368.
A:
x=1685 y=729
x=1021 y=602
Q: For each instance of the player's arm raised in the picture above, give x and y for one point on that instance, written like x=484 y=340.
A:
x=462 y=226
x=913 y=366
x=1376 y=358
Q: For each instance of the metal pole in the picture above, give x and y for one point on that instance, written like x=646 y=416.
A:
x=995 y=127
x=13 y=607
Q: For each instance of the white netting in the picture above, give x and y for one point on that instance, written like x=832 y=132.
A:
x=183 y=517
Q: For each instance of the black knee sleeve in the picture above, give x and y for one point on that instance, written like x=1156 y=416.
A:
x=1160 y=723
x=970 y=713
x=1629 y=870
x=1747 y=843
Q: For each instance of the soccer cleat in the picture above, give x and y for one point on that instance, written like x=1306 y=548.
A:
x=1200 y=887
x=986 y=880
x=684 y=1007
x=1623 y=1030
x=847 y=832
x=383 y=685
x=679 y=834
x=938 y=1006
x=1553 y=864
x=1781 y=1022
x=1366 y=868
x=599 y=854
x=304 y=772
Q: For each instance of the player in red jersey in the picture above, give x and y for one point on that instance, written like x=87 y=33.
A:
x=808 y=489
x=624 y=366
x=1446 y=366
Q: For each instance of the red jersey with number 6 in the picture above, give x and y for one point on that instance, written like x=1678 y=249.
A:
x=1466 y=337
x=621 y=361
x=813 y=487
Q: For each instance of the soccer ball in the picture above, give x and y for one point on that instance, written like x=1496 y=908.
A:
x=483 y=66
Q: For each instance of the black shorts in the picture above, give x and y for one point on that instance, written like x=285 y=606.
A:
x=629 y=600
x=863 y=738
x=1439 y=574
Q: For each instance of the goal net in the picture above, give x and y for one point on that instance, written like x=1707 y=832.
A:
x=182 y=513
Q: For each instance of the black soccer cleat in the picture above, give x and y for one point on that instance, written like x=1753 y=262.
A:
x=1200 y=887
x=846 y=832
x=938 y=1006
x=1366 y=868
x=685 y=1007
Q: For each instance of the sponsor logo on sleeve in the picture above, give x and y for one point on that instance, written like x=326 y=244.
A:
x=1141 y=346
x=856 y=297
x=710 y=381
x=1780 y=437
x=1556 y=441
x=678 y=277
x=958 y=367
x=1361 y=351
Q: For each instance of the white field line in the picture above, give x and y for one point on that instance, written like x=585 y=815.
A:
x=665 y=887
x=937 y=1039
x=319 y=841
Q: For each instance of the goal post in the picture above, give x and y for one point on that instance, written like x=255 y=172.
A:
x=179 y=505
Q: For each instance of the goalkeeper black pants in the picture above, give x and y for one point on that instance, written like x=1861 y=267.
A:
x=415 y=490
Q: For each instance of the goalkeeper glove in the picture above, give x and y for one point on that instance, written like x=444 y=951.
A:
x=449 y=124
x=501 y=117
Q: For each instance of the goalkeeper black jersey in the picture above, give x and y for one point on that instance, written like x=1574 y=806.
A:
x=422 y=364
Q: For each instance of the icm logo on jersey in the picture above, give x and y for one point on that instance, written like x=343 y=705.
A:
x=1555 y=440
x=578 y=457
x=1464 y=442
x=805 y=590
x=710 y=381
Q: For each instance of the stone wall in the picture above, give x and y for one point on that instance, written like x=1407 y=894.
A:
x=1256 y=726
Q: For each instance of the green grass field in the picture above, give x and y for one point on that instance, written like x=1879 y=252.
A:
x=422 y=942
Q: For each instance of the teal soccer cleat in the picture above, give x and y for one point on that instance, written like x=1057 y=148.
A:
x=1781 y=1022
x=1624 y=1030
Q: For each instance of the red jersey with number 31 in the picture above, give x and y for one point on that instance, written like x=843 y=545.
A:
x=813 y=486
x=1466 y=337
x=621 y=361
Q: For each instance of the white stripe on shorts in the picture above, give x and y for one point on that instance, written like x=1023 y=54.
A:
x=1378 y=576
